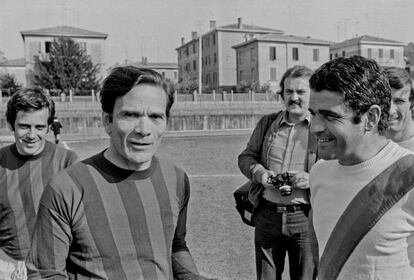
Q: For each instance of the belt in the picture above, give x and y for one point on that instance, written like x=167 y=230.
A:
x=285 y=207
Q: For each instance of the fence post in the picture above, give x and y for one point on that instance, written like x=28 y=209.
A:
x=175 y=96
x=224 y=95
x=231 y=95
x=1 y=96
x=267 y=96
x=253 y=95
x=93 y=95
x=70 y=95
x=214 y=95
x=195 y=96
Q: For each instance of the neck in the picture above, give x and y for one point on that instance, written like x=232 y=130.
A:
x=403 y=135
x=369 y=147
x=293 y=118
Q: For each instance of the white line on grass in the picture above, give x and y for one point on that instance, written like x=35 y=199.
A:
x=214 y=175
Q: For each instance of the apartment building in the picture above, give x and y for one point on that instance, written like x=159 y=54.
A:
x=38 y=43
x=264 y=59
x=218 y=59
x=384 y=51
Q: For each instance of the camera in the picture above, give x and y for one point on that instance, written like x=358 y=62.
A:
x=283 y=182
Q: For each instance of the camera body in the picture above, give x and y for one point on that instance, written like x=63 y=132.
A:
x=283 y=182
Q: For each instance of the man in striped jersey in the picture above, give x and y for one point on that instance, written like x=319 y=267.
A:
x=120 y=214
x=25 y=168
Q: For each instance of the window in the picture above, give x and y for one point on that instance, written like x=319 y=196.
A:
x=252 y=74
x=380 y=53
x=48 y=46
x=209 y=61
x=208 y=79
x=187 y=67
x=369 y=53
x=186 y=51
x=214 y=77
x=240 y=58
x=273 y=74
x=194 y=65
x=336 y=55
x=175 y=75
x=343 y=53
x=241 y=75
x=315 y=54
x=330 y=56
x=163 y=74
x=272 y=53
x=83 y=46
x=215 y=58
x=251 y=54
x=295 y=53
x=392 y=54
x=194 y=48
x=214 y=39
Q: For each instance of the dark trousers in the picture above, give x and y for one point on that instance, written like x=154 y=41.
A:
x=278 y=232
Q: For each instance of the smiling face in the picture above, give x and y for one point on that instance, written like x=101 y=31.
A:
x=400 y=122
x=296 y=97
x=338 y=136
x=138 y=123
x=30 y=129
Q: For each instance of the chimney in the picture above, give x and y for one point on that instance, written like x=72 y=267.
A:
x=144 y=60
x=193 y=35
x=182 y=41
x=212 y=24
x=239 y=23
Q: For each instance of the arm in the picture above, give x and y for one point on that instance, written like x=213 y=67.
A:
x=249 y=161
x=183 y=264
x=51 y=240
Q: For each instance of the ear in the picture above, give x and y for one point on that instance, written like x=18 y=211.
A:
x=373 y=116
x=106 y=120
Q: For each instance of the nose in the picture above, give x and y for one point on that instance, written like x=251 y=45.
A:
x=392 y=108
x=294 y=96
x=31 y=133
x=143 y=126
x=317 y=124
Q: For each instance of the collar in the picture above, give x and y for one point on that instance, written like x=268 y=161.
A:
x=284 y=120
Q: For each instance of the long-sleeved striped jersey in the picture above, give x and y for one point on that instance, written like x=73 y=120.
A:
x=22 y=181
x=98 y=221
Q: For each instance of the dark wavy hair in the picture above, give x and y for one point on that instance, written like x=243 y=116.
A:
x=298 y=71
x=399 y=78
x=360 y=81
x=122 y=79
x=29 y=100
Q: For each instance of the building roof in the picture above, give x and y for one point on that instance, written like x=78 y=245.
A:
x=156 y=65
x=248 y=28
x=367 y=39
x=276 y=38
x=63 y=30
x=18 y=62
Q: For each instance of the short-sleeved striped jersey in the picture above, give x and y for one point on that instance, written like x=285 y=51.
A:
x=98 y=221
x=22 y=181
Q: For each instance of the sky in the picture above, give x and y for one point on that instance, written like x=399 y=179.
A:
x=153 y=28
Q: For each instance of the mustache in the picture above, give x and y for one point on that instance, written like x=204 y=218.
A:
x=293 y=102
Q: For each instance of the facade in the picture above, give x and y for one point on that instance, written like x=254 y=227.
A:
x=264 y=60
x=15 y=67
x=384 y=51
x=38 y=42
x=218 y=59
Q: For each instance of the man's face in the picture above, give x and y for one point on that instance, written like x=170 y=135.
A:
x=30 y=129
x=296 y=96
x=400 y=118
x=138 y=123
x=338 y=137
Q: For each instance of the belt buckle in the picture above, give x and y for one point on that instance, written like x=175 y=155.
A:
x=281 y=209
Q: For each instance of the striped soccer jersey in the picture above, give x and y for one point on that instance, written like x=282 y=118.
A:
x=22 y=181
x=98 y=221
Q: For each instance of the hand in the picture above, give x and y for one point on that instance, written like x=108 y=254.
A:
x=300 y=179
x=262 y=177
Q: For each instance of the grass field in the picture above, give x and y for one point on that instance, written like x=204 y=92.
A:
x=220 y=243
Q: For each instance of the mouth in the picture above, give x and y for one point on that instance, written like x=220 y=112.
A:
x=140 y=145
x=325 y=140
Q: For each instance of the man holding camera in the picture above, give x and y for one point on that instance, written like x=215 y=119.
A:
x=278 y=158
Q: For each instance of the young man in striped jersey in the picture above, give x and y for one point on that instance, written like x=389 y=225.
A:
x=120 y=214
x=25 y=168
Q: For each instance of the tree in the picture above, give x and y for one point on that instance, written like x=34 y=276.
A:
x=67 y=67
x=9 y=84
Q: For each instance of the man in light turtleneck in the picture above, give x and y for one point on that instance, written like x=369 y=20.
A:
x=400 y=122
x=361 y=189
